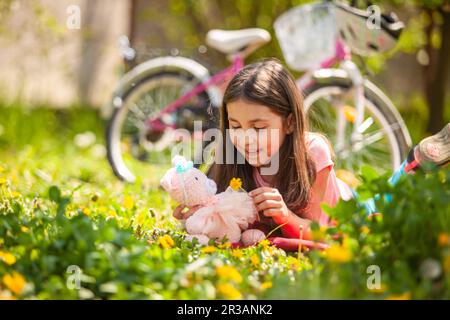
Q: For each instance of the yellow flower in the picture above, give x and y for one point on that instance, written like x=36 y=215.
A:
x=8 y=258
x=236 y=184
x=15 y=282
x=237 y=253
x=111 y=214
x=166 y=241
x=2 y=181
x=24 y=229
x=254 y=259
x=15 y=194
x=140 y=217
x=381 y=289
x=209 y=249
x=447 y=264
x=2 y=169
x=229 y=272
x=293 y=262
x=225 y=245
x=338 y=254
x=265 y=244
x=87 y=211
x=228 y=291
x=403 y=296
x=266 y=285
x=443 y=239
x=349 y=113
x=365 y=230
x=128 y=202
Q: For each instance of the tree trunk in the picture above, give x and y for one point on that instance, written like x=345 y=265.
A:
x=436 y=75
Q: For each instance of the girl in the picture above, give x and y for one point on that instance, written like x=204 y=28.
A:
x=261 y=98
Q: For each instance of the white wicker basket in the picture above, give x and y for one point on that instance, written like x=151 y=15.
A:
x=307 y=35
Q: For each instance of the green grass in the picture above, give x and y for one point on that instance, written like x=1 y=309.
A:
x=61 y=206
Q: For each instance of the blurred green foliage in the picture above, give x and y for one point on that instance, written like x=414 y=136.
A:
x=63 y=215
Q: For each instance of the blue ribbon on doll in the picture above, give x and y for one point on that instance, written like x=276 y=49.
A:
x=184 y=166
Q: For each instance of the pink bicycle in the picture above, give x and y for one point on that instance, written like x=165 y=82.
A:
x=167 y=93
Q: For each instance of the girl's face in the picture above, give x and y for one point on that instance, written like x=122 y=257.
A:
x=257 y=131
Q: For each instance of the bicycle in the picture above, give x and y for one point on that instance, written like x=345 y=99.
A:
x=167 y=93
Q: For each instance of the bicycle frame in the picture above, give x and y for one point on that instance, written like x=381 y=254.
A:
x=225 y=75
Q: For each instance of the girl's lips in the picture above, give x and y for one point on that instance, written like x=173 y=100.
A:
x=252 y=152
x=257 y=151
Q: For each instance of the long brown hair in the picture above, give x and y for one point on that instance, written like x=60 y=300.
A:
x=268 y=83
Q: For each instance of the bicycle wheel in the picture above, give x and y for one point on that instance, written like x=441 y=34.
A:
x=132 y=145
x=384 y=139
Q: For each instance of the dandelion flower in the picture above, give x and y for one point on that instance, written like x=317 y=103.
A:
x=15 y=282
x=128 y=202
x=264 y=244
x=228 y=291
x=209 y=249
x=87 y=211
x=443 y=239
x=236 y=184
x=254 y=259
x=338 y=254
x=229 y=273
x=24 y=229
x=403 y=296
x=237 y=253
x=166 y=241
x=266 y=285
x=8 y=258
x=365 y=230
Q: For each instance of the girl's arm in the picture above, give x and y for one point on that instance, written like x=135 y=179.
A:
x=271 y=203
x=293 y=224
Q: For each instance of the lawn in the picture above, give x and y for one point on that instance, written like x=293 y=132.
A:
x=70 y=230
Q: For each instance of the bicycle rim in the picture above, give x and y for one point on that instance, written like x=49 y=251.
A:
x=131 y=146
x=329 y=111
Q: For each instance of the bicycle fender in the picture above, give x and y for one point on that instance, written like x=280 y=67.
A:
x=166 y=63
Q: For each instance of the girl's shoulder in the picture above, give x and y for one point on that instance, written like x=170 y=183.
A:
x=319 y=150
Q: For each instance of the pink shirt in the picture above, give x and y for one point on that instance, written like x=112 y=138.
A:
x=320 y=153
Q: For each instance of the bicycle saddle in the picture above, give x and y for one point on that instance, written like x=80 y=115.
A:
x=232 y=41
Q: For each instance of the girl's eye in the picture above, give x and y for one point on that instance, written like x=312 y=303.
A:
x=234 y=127
x=260 y=128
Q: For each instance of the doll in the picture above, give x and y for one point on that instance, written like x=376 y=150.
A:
x=224 y=215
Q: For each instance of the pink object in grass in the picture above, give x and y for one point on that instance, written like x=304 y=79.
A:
x=223 y=215
x=252 y=236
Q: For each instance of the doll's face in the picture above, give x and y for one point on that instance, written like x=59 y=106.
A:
x=189 y=188
x=201 y=184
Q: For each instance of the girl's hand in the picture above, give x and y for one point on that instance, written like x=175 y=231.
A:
x=271 y=203
x=178 y=214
